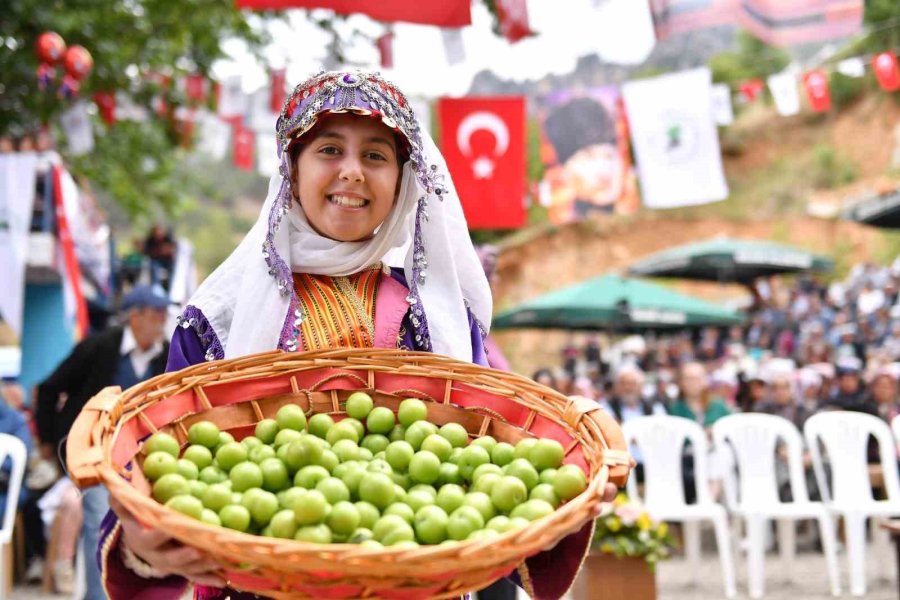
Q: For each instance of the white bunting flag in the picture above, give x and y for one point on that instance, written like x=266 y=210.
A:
x=266 y=154
x=453 y=45
x=852 y=67
x=261 y=119
x=721 y=101
x=785 y=93
x=232 y=99
x=213 y=136
x=76 y=122
x=675 y=139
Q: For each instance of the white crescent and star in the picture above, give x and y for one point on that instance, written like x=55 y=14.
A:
x=482 y=166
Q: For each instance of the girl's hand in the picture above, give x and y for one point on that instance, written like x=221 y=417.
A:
x=166 y=555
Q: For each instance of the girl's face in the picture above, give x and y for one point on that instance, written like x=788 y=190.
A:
x=347 y=177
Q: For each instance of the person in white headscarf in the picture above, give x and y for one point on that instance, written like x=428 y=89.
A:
x=361 y=243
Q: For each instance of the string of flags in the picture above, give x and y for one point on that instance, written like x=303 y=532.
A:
x=220 y=119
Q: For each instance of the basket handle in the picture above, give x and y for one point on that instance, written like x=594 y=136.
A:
x=84 y=454
x=615 y=455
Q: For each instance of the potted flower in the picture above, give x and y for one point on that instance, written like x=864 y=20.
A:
x=626 y=546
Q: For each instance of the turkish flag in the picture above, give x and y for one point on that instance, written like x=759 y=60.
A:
x=385 y=45
x=887 y=71
x=513 y=17
x=195 y=88
x=751 y=89
x=816 y=84
x=106 y=104
x=446 y=13
x=244 y=142
x=277 y=94
x=483 y=141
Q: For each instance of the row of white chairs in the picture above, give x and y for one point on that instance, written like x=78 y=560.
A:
x=752 y=495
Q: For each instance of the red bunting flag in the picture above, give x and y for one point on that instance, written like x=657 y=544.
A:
x=887 y=71
x=751 y=89
x=446 y=13
x=277 y=94
x=483 y=141
x=513 y=17
x=106 y=104
x=385 y=45
x=244 y=142
x=195 y=88
x=816 y=84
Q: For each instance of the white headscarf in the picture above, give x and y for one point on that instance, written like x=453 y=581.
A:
x=249 y=301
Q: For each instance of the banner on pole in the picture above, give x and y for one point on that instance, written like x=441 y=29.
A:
x=586 y=154
x=675 y=139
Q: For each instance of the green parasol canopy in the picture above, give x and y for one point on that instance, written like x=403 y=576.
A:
x=612 y=302
x=731 y=260
x=882 y=210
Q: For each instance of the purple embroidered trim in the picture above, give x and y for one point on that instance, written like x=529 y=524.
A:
x=194 y=318
x=417 y=317
x=290 y=331
x=277 y=267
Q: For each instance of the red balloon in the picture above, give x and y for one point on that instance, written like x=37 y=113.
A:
x=78 y=62
x=50 y=47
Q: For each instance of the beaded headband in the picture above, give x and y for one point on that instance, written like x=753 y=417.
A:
x=357 y=92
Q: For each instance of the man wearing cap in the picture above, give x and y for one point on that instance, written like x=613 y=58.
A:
x=123 y=355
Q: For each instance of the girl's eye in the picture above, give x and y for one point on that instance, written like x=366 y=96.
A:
x=329 y=150
x=375 y=156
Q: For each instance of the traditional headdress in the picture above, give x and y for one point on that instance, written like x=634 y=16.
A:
x=426 y=227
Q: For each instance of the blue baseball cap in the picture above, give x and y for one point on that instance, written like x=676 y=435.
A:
x=146 y=296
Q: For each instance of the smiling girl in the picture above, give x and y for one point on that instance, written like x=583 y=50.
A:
x=361 y=243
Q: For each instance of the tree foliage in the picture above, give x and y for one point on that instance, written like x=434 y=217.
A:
x=753 y=59
x=130 y=42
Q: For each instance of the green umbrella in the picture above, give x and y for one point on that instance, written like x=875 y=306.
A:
x=726 y=259
x=882 y=210
x=612 y=302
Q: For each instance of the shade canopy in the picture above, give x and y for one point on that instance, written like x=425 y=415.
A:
x=879 y=211
x=730 y=260
x=618 y=303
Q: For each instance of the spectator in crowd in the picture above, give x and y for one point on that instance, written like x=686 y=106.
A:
x=850 y=393
x=123 y=356
x=626 y=403
x=160 y=249
x=884 y=393
x=810 y=383
x=695 y=403
x=545 y=377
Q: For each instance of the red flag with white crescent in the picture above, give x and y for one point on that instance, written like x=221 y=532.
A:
x=277 y=94
x=385 y=44
x=244 y=142
x=816 y=84
x=483 y=141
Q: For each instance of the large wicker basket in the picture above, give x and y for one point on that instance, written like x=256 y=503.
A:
x=236 y=394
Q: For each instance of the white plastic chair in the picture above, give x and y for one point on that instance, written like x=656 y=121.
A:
x=895 y=427
x=661 y=439
x=845 y=437
x=12 y=448
x=753 y=438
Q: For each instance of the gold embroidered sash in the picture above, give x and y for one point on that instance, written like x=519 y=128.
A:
x=338 y=312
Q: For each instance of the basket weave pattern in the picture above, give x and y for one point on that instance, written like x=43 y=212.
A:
x=236 y=394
